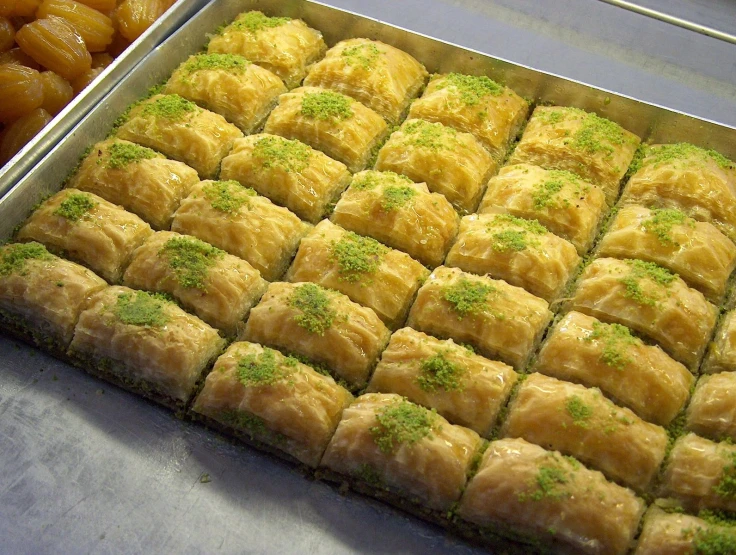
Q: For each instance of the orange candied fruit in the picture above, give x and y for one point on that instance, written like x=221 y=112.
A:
x=7 y=34
x=94 y=27
x=17 y=56
x=22 y=8
x=23 y=85
x=57 y=92
x=21 y=131
x=54 y=44
x=135 y=16
x=100 y=5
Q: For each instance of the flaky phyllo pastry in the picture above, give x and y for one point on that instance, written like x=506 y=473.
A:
x=288 y=172
x=329 y=121
x=139 y=179
x=239 y=221
x=284 y=46
x=321 y=325
x=402 y=214
x=90 y=230
x=181 y=130
x=144 y=342
x=368 y=272
x=477 y=105
x=273 y=399
x=376 y=74
x=451 y=163
x=594 y=148
x=230 y=85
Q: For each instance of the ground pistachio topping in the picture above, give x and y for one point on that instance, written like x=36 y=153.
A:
x=171 y=106
x=472 y=88
x=597 y=134
x=357 y=256
x=227 y=196
x=467 y=297
x=255 y=21
x=433 y=136
x=678 y=152
x=191 y=260
x=579 y=411
x=286 y=154
x=645 y=270
x=402 y=422
x=119 y=155
x=313 y=303
x=549 y=117
x=437 y=372
x=202 y=62
x=662 y=221
x=75 y=206
x=363 y=55
x=252 y=424
x=368 y=474
x=13 y=257
x=142 y=309
x=265 y=368
x=395 y=197
x=551 y=480
x=327 y=105
x=615 y=340
x=711 y=541
x=726 y=487
x=545 y=194
x=371 y=179
x=510 y=240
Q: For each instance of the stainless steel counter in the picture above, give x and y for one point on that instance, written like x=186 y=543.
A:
x=87 y=468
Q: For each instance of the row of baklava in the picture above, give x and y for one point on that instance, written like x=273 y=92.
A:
x=511 y=320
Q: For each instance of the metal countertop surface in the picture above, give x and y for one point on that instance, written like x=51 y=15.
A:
x=88 y=468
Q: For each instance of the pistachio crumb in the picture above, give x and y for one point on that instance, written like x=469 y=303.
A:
x=313 y=303
x=402 y=422
x=75 y=206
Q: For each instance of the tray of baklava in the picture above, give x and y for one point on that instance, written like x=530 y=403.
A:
x=505 y=314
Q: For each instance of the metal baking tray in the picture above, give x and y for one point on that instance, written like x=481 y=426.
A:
x=86 y=467
x=20 y=164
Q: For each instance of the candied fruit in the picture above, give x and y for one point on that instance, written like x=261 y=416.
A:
x=57 y=92
x=95 y=28
x=24 y=86
x=22 y=130
x=54 y=44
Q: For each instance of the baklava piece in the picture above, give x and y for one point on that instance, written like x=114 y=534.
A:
x=722 y=350
x=322 y=325
x=139 y=179
x=218 y=287
x=376 y=74
x=560 y=200
x=581 y=422
x=42 y=295
x=596 y=149
x=701 y=474
x=286 y=47
x=229 y=85
x=641 y=377
x=368 y=272
x=712 y=410
x=696 y=251
x=675 y=533
x=701 y=183
x=388 y=442
x=499 y=320
x=400 y=213
x=262 y=396
x=290 y=173
x=88 y=230
x=181 y=130
x=451 y=163
x=477 y=105
x=650 y=300
x=237 y=220
x=463 y=387
x=334 y=123
x=529 y=494
x=521 y=252
x=144 y=343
